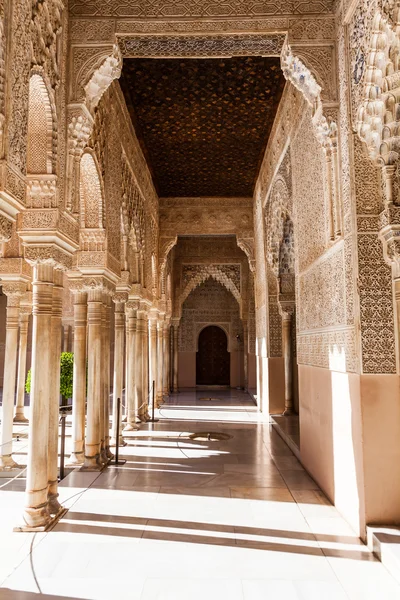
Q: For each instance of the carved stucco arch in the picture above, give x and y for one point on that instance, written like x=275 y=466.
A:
x=165 y=246
x=207 y=272
x=276 y=214
x=42 y=128
x=91 y=192
x=96 y=81
x=304 y=79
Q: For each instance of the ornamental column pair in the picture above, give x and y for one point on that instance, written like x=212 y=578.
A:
x=137 y=364
x=91 y=382
x=97 y=441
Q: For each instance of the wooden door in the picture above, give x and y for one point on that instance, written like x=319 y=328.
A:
x=213 y=359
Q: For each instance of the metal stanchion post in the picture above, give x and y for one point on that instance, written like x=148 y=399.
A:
x=64 y=410
x=153 y=420
x=117 y=461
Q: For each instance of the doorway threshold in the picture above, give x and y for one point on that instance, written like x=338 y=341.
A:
x=288 y=427
x=213 y=387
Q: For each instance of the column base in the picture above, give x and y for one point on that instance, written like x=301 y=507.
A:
x=76 y=459
x=131 y=427
x=52 y=521
x=287 y=412
x=53 y=504
x=7 y=463
x=20 y=418
x=92 y=463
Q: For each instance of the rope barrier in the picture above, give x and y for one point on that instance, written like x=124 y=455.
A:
x=13 y=479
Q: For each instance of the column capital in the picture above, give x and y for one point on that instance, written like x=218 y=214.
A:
x=287 y=306
x=132 y=306
x=14 y=290
x=120 y=297
x=49 y=254
x=5 y=229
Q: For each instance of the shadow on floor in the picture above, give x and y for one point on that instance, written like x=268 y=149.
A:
x=152 y=529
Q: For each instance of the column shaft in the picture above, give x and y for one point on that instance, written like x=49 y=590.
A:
x=166 y=348
x=176 y=359
x=10 y=369
x=160 y=363
x=79 y=381
x=153 y=360
x=36 y=512
x=107 y=378
x=246 y=355
x=23 y=344
x=54 y=405
x=95 y=390
x=288 y=362
x=131 y=357
x=144 y=410
x=119 y=324
x=139 y=391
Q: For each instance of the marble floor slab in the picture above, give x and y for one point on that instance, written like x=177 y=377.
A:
x=187 y=519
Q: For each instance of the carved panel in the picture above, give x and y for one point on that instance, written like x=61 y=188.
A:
x=376 y=307
x=198 y=46
x=308 y=195
x=213 y=9
x=321 y=293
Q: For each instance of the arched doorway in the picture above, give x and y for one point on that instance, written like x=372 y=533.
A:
x=213 y=358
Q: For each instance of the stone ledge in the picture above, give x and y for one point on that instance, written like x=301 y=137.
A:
x=384 y=542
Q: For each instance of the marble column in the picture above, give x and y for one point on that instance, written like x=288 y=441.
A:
x=131 y=351
x=287 y=311
x=246 y=354
x=166 y=356
x=54 y=404
x=36 y=512
x=107 y=377
x=25 y=312
x=13 y=293
x=160 y=362
x=146 y=385
x=79 y=380
x=153 y=327
x=139 y=390
x=175 y=365
x=65 y=329
x=95 y=381
x=126 y=370
x=119 y=328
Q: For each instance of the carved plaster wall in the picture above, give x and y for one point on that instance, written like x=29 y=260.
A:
x=210 y=303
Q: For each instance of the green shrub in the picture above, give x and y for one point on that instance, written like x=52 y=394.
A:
x=28 y=382
x=66 y=375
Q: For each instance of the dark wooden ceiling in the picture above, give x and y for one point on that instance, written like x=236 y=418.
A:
x=203 y=124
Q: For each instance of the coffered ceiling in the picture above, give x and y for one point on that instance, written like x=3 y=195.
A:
x=203 y=123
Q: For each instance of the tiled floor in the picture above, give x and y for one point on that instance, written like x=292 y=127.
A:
x=189 y=519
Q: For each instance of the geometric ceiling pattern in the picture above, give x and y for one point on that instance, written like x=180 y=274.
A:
x=203 y=124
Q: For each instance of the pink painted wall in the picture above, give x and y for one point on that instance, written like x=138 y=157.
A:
x=350 y=442
x=252 y=371
x=276 y=385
